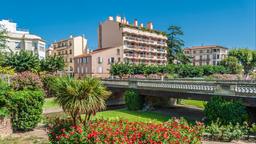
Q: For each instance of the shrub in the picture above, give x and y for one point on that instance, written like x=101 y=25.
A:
x=4 y=101
x=49 y=84
x=133 y=100
x=229 y=132
x=26 y=109
x=189 y=71
x=26 y=80
x=104 y=131
x=226 y=111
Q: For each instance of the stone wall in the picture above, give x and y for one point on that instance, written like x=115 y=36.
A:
x=5 y=127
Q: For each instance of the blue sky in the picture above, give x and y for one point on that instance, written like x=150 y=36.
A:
x=231 y=23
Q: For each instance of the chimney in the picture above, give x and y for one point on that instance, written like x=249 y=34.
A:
x=136 y=22
x=124 y=20
x=118 y=19
x=110 y=18
x=141 y=25
x=150 y=25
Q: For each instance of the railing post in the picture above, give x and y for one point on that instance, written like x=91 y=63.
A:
x=133 y=84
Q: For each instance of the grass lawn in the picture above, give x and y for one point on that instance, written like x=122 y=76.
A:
x=50 y=103
x=138 y=116
x=196 y=103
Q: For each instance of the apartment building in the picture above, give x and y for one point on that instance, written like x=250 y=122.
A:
x=18 y=39
x=68 y=49
x=206 y=55
x=139 y=44
x=119 y=41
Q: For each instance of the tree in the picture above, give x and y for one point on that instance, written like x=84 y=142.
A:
x=52 y=64
x=22 y=61
x=79 y=97
x=232 y=65
x=182 y=58
x=174 y=43
x=246 y=57
x=2 y=44
x=2 y=38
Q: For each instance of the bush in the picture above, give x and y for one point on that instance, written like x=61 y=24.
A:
x=189 y=71
x=133 y=100
x=217 y=131
x=26 y=80
x=49 y=84
x=4 y=101
x=226 y=111
x=104 y=131
x=26 y=109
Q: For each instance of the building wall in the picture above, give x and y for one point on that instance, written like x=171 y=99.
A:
x=206 y=55
x=21 y=39
x=68 y=49
x=109 y=34
x=83 y=66
x=101 y=69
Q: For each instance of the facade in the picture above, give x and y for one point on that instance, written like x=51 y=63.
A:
x=206 y=55
x=139 y=44
x=98 y=62
x=22 y=39
x=118 y=41
x=68 y=49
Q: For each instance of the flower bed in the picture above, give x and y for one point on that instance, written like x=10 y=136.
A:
x=103 y=131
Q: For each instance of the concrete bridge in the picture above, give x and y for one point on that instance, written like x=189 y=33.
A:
x=245 y=91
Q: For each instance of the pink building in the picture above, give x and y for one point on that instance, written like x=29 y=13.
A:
x=118 y=41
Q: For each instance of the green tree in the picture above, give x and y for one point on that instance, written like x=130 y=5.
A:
x=2 y=38
x=174 y=43
x=79 y=97
x=52 y=64
x=22 y=61
x=232 y=65
x=2 y=45
x=246 y=57
x=120 y=69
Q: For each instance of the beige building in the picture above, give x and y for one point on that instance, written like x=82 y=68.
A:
x=206 y=55
x=121 y=42
x=68 y=49
x=139 y=44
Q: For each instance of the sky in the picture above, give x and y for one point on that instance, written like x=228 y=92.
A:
x=230 y=23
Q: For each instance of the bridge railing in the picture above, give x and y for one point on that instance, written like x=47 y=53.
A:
x=230 y=88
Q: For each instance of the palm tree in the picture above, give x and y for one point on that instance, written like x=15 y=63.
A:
x=79 y=97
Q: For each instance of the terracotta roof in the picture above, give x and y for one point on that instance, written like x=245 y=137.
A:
x=83 y=55
x=202 y=47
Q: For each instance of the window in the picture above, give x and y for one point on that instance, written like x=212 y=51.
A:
x=82 y=70
x=85 y=60
x=218 y=56
x=86 y=70
x=70 y=60
x=100 y=60
x=17 y=45
x=119 y=59
x=194 y=52
x=111 y=60
x=66 y=52
x=100 y=70
x=118 y=51
x=214 y=62
x=78 y=70
x=70 y=51
x=70 y=68
x=201 y=51
x=59 y=53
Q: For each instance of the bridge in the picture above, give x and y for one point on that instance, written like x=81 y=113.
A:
x=245 y=91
